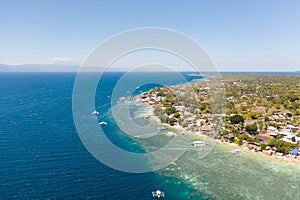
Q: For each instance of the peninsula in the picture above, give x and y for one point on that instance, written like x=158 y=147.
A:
x=262 y=111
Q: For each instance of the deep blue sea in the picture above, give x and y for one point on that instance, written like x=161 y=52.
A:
x=42 y=156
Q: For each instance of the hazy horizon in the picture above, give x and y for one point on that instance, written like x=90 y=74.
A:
x=238 y=36
x=75 y=68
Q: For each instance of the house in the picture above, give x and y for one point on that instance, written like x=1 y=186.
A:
x=271 y=133
x=180 y=108
x=230 y=98
x=205 y=128
x=207 y=102
x=264 y=137
x=189 y=120
x=293 y=128
x=272 y=128
x=199 y=122
x=291 y=137
x=249 y=121
x=285 y=132
x=229 y=137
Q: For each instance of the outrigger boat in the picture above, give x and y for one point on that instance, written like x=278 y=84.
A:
x=237 y=152
x=95 y=113
x=158 y=194
x=161 y=128
x=102 y=123
x=171 y=134
x=199 y=144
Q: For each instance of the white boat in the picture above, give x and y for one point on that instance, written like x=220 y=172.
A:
x=121 y=99
x=161 y=128
x=95 y=113
x=237 y=152
x=199 y=143
x=171 y=134
x=158 y=194
x=102 y=123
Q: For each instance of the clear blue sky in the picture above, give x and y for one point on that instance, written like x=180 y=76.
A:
x=239 y=35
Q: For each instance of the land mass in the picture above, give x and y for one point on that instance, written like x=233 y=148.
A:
x=262 y=111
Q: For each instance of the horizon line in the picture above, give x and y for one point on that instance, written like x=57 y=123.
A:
x=75 y=68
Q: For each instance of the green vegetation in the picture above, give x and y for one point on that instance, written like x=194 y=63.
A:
x=170 y=110
x=243 y=136
x=263 y=147
x=254 y=102
x=281 y=146
x=236 y=119
x=253 y=115
x=251 y=129
x=161 y=94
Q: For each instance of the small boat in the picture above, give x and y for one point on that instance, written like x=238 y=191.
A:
x=237 y=152
x=171 y=134
x=147 y=117
x=95 y=113
x=161 y=128
x=122 y=99
x=199 y=143
x=102 y=123
x=158 y=194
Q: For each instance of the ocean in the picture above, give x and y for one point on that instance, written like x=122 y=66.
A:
x=42 y=156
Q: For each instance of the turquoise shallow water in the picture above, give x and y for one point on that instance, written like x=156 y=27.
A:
x=222 y=175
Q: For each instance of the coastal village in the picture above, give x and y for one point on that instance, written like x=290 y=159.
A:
x=262 y=111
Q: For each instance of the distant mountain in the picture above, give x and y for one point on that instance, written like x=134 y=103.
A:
x=38 y=68
x=51 y=68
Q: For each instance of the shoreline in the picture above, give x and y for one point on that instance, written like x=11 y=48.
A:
x=179 y=128
x=221 y=169
x=269 y=130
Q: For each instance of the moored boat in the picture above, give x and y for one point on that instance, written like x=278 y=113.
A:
x=171 y=134
x=158 y=194
x=102 y=123
x=95 y=113
x=199 y=143
x=161 y=128
x=237 y=152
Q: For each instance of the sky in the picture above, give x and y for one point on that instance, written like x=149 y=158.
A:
x=238 y=35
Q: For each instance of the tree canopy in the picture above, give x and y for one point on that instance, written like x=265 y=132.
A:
x=251 y=129
x=236 y=119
